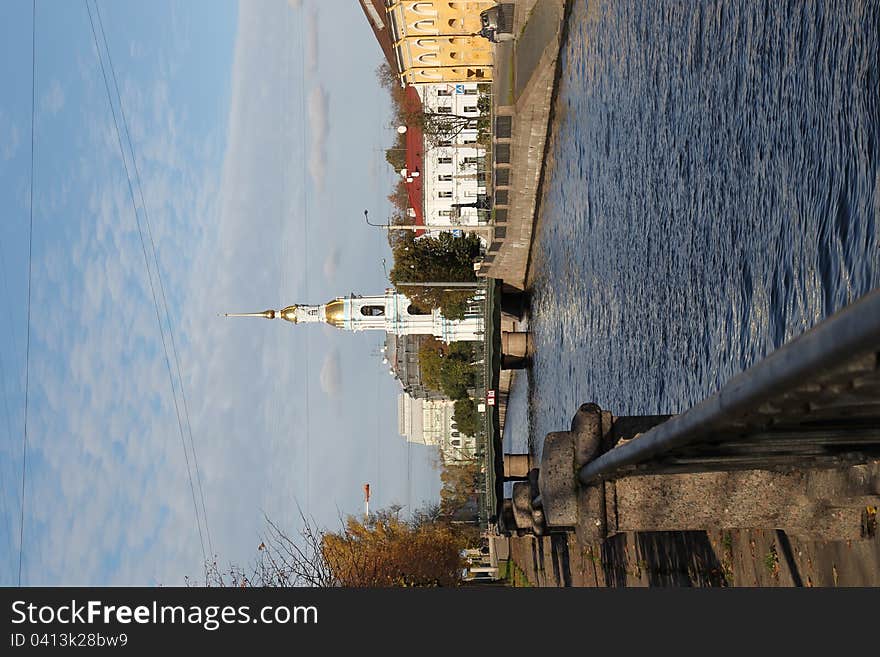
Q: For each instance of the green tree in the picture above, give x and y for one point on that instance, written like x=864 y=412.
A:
x=466 y=417
x=443 y=258
x=447 y=368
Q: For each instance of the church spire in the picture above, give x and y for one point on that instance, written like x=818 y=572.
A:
x=288 y=314
x=268 y=314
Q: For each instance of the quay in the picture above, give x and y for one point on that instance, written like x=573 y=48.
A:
x=774 y=481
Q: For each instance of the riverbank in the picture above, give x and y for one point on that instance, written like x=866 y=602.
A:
x=525 y=79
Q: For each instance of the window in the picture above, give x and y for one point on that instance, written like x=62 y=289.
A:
x=446 y=213
x=372 y=311
x=472 y=125
x=444 y=160
x=470 y=109
x=455 y=434
x=440 y=144
x=444 y=194
x=445 y=177
x=427 y=57
x=444 y=110
x=470 y=92
x=470 y=160
x=428 y=43
x=424 y=24
x=444 y=92
x=413 y=309
x=469 y=141
x=456 y=442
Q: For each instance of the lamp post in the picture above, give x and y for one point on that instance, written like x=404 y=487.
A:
x=428 y=227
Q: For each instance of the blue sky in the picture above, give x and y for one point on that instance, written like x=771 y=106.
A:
x=258 y=132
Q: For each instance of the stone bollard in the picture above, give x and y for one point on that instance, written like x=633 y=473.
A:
x=516 y=343
x=522 y=505
x=563 y=455
x=517 y=466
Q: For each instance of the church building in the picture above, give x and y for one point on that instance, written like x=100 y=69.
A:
x=392 y=312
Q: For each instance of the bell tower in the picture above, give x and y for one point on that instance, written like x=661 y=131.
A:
x=391 y=312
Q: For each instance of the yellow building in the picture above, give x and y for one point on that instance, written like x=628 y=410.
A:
x=436 y=41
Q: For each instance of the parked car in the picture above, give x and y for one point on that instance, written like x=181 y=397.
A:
x=489 y=26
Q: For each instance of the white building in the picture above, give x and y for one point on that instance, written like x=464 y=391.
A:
x=391 y=312
x=451 y=168
x=429 y=422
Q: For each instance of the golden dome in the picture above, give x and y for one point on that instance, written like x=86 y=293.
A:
x=288 y=313
x=334 y=312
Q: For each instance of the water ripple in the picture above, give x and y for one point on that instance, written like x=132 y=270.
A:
x=713 y=192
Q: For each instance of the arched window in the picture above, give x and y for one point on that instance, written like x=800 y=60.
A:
x=427 y=57
x=424 y=24
x=372 y=311
x=423 y=8
x=413 y=309
x=427 y=43
x=429 y=74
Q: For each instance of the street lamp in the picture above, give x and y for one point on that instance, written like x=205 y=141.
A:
x=367 y=219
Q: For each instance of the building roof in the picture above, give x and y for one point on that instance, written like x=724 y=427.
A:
x=415 y=160
x=377 y=18
x=374 y=10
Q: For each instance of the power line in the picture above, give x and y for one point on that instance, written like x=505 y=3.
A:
x=27 y=348
x=158 y=276
x=305 y=256
x=149 y=277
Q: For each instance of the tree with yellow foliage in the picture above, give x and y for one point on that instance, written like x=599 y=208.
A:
x=380 y=551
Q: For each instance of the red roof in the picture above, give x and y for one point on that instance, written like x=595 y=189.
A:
x=415 y=158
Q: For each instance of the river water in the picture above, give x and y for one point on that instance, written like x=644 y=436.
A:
x=712 y=191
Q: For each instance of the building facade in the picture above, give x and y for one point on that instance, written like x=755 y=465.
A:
x=402 y=356
x=435 y=41
x=454 y=170
x=429 y=422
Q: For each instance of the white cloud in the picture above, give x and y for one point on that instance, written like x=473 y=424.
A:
x=331 y=263
x=331 y=374
x=318 y=126
x=53 y=99
x=9 y=137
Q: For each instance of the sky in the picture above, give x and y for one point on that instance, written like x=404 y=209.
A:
x=257 y=132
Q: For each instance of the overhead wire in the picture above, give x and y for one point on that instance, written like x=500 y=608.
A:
x=150 y=279
x=27 y=348
x=305 y=205
x=158 y=275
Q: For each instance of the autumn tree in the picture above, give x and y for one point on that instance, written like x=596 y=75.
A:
x=382 y=550
x=460 y=482
x=386 y=551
